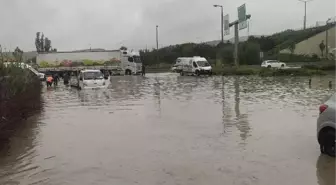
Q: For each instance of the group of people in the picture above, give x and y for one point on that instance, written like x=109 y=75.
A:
x=54 y=78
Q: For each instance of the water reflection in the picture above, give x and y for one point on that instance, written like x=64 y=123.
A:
x=157 y=94
x=17 y=155
x=242 y=119
x=325 y=170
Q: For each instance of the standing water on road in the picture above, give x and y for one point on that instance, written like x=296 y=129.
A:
x=167 y=129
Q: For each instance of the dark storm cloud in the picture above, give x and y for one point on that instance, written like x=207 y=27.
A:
x=73 y=24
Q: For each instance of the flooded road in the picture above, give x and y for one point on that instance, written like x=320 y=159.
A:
x=170 y=130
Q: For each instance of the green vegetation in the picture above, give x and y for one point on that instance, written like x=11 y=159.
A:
x=19 y=91
x=249 y=51
x=256 y=70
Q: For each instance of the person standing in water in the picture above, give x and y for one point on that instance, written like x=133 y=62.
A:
x=143 y=71
x=56 y=78
x=49 y=80
x=66 y=78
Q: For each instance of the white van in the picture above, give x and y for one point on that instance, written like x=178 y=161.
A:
x=193 y=66
x=91 y=79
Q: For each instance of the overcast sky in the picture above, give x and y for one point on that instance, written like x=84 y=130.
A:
x=79 y=24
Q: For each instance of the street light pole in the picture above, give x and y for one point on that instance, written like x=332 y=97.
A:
x=222 y=21
x=305 y=12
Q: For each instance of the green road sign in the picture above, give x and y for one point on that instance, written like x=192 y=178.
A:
x=242 y=17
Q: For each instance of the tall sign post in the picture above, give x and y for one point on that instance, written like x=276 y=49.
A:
x=242 y=17
x=226 y=24
x=239 y=24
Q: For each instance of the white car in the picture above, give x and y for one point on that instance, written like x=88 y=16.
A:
x=91 y=79
x=273 y=64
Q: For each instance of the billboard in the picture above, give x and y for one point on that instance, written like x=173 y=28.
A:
x=226 y=25
x=242 y=20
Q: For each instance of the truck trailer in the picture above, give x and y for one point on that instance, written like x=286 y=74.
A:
x=115 y=61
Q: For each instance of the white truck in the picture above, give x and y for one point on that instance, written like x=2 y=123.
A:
x=115 y=61
x=193 y=66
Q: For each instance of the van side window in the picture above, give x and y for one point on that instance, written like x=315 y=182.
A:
x=194 y=64
x=130 y=59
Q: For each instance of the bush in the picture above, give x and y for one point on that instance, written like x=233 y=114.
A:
x=290 y=72
x=234 y=71
x=19 y=93
x=292 y=58
x=327 y=67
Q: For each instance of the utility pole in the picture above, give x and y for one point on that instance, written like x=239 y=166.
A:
x=236 y=39
x=327 y=35
x=157 y=43
x=222 y=21
x=305 y=12
x=157 y=37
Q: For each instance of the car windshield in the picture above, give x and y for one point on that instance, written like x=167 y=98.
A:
x=137 y=59
x=203 y=63
x=93 y=75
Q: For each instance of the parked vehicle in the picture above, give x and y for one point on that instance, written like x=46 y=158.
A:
x=193 y=66
x=273 y=64
x=326 y=126
x=89 y=79
x=114 y=61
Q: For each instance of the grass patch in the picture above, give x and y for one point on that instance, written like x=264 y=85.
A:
x=290 y=72
x=246 y=70
x=328 y=66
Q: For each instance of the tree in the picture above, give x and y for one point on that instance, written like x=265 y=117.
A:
x=18 y=54
x=47 y=44
x=322 y=47
x=292 y=47
x=37 y=42
x=42 y=43
x=123 y=48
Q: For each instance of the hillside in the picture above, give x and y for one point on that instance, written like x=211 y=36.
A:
x=284 y=39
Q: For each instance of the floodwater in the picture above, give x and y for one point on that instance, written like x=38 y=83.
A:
x=170 y=130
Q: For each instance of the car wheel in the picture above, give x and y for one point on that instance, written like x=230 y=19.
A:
x=327 y=145
x=322 y=149
x=197 y=73
x=269 y=66
x=282 y=65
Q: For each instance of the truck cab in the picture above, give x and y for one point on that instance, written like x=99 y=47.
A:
x=131 y=62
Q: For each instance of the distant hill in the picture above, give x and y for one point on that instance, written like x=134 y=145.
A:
x=241 y=39
x=92 y=49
